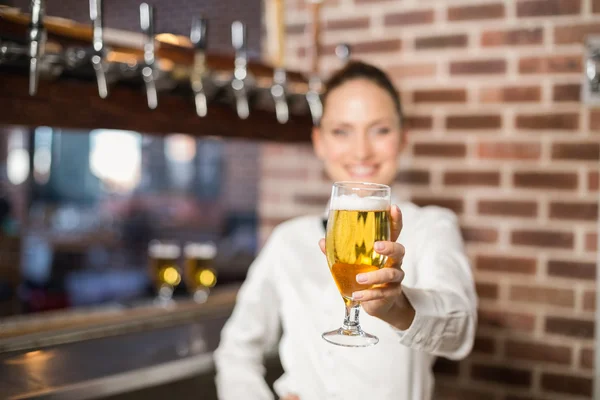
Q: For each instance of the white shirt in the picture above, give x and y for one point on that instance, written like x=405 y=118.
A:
x=289 y=285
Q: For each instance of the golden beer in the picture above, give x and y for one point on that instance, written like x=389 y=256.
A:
x=163 y=267
x=351 y=235
x=198 y=268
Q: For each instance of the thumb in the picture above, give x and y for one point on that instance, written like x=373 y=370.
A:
x=322 y=245
x=396 y=220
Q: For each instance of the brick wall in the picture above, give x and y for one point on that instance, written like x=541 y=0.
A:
x=498 y=135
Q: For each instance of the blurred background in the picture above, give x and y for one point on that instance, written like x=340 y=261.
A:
x=500 y=97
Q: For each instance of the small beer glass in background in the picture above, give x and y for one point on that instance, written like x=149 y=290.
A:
x=200 y=275
x=163 y=258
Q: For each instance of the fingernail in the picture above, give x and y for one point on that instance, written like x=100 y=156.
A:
x=357 y=295
x=396 y=207
x=361 y=278
x=379 y=246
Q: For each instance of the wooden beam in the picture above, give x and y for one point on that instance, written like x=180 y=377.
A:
x=75 y=104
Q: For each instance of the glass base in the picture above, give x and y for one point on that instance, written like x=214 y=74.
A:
x=350 y=338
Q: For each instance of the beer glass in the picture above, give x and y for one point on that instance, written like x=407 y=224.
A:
x=359 y=215
x=199 y=273
x=163 y=267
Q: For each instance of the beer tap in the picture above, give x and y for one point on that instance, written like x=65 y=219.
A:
x=343 y=52
x=99 y=54
x=275 y=9
x=37 y=43
x=313 y=96
x=149 y=69
x=238 y=40
x=198 y=39
x=279 y=96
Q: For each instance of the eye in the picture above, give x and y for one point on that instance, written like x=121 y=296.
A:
x=384 y=130
x=339 y=132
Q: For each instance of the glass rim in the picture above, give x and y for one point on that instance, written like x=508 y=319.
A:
x=355 y=185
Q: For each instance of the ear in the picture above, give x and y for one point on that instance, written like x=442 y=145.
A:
x=317 y=142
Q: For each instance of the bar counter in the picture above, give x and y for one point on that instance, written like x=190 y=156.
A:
x=87 y=354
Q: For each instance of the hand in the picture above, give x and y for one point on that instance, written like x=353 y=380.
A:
x=386 y=300
x=290 y=397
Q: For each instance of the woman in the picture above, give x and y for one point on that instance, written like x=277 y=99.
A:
x=424 y=307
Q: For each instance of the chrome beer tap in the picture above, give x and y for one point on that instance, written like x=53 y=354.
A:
x=343 y=52
x=238 y=84
x=279 y=95
x=149 y=70
x=37 y=43
x=198 y=39
x=99 y=52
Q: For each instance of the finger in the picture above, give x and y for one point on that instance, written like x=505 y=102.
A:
x=384 y=275
x=390 y=249
x=396 y=216
x=377 y=293
x=322 y=245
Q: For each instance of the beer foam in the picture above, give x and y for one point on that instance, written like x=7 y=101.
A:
x=163 y=250
x=200 y=250
x=356 y=203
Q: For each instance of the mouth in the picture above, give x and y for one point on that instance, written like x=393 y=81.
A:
x=362 y=171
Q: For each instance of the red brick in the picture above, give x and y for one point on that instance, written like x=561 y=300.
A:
x=487 y=290
x=347 y=23
x=477 y=12
x=418 y=122
x=589 y=301
x=471 y=178
x=569 y=384
x=445 y=150
x=572 y=34
x=546 y=180
x=509 y=150
x=295 y=29
x=588 y=151
x=596 y=6
x=514 y=37
x=538 y=352
x=513 y=94
x=593 y=181
x=507 y=208
x=409 y=18
x=450 y=391
x=543 y=295
x=377 y=46
x=371 y=1
x=478 y=67
x=551 y=65
x=543 y=8
x=591 y=242
x=542 y=238
x=313 y=200
x=473 y=122
x=413 y=176
x=506 y=264
x=441 y=42
x=574 y=211
x=567 y=92
x=484 y=345
x=587 y=358
x=501 y=375
x=412 y=70
x=455 y=204
x=296 y=173
x=555 y=121
x=509 y=321
x=576 y=328
x=479 y=235
x=572 y=269
x=447 y=367
x=595 y=120
x=440 y=96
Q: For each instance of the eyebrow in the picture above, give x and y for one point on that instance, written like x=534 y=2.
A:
x=384 y=120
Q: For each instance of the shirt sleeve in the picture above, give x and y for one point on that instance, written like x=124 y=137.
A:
x=252 y=329
x=443 y=295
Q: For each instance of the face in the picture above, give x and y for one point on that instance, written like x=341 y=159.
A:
x=360 y=136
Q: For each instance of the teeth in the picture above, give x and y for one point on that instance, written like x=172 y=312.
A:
x=362 y=170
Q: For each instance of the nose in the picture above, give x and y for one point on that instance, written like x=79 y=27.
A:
x=363 y=148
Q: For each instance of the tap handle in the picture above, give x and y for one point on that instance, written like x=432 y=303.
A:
x=343 y=52
x=279 y=97
x=37 y=43
x=313 y=98
x=148 y=72
x=199 y=32
x=97 y=17
x=238 y=40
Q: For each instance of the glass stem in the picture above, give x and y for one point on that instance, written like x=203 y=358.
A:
x=351 y=322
